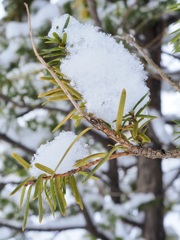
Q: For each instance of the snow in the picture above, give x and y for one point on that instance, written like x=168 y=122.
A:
x=127 y=161
x=2 y=11
x=26 y=69
x=73 y=221
x=50 y=154
x=169 y=176
x=78 y=234
x=61 y=2
x=21 y=29
x=158 y=126
x=10 y=55
x=169 y=62
x=17 y=29
x=126 y=232
x=5 y=233
x=138 y=199
x=14 y=31
x=120 y=230
x=128 y=208
x=170 y=164
x=99 y=68
x=26 y=136
x=172 y=220
x=170 y=102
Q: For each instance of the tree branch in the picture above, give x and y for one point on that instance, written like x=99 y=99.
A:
x=7 y=139
x=90 y=225
x=172 y=180
x=171 y=55
x=93 y=11
x=82 y=168
x=132 y=222
x=134 y=150
x=8 y=99
x=132 y=41
x=30 y=107
x=39 y=229
x=39 y=106
x=129 y=11
x=154 y=43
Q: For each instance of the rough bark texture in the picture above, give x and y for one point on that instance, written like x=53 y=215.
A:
x=150 y=171
x=150 y=180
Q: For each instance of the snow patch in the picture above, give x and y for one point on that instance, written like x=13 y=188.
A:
x=99 y=68
x=158 y=126
x=50 y=154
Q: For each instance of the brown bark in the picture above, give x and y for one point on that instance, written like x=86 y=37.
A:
x=150 y=180
x=114 y=181
x=150 y=171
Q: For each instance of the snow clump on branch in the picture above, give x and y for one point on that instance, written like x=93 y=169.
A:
x=99 y=68
x=50 y=154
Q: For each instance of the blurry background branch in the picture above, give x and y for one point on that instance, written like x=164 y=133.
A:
x=93 y=12
x=131 y=40
x=7 y=139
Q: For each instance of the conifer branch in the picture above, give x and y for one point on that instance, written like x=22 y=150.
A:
x=81 y=168
x=49 y=69
x=133 y=149
x=99 y=124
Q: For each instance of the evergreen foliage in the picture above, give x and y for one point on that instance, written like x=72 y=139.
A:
x=111 y=203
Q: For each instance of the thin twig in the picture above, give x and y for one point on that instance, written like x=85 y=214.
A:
x=39 y=228
x=81 y=168
x=153 y=17
x=132 y=222
x=155 y=40
x=50 y=70
x=39 y=106
x=132 y=41
x=7 y=139
x=93 y=11
x=172 y=180
x=30 y=107
x=129 y=11
x=171 y=55
x=91 y=224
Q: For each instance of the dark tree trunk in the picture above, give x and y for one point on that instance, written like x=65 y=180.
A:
x=114 y=181
x=150 y=171
x=150 y=180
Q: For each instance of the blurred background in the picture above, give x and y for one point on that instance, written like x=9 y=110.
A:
x=134 y=198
